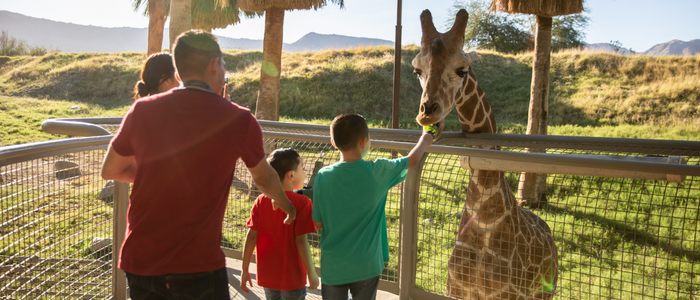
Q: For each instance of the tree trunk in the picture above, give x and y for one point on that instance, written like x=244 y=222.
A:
x=180 y=19
x=532 y=185
x=156 y=25
x=267 y=106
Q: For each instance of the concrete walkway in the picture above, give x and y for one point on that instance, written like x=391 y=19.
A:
x=234 y=268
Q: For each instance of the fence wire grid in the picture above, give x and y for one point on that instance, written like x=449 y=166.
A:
x=56 y=225
x=615 y=238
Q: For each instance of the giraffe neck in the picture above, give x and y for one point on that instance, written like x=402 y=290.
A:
x=489 y=199
x=475 y=114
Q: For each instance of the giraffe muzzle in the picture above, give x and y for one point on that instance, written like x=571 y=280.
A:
x=430 y=115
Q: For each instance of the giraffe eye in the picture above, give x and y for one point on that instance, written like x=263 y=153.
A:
x=417 y=72
x=461 y=72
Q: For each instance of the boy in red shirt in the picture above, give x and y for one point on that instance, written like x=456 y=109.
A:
x=283 y=256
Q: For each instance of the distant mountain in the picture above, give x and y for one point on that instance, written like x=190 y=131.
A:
x=68 y=37
x=607 y=47
x=315 y=42
x=675 y=47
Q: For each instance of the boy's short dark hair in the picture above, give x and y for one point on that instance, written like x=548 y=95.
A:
x=347 y=130
x=193 y=50
x=284 y=160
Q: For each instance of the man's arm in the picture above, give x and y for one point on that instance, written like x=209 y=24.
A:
x=417 y=152
x=251 y=238
x=117 y=167
x=305 y=254
x=267 y=180
x=319 y=225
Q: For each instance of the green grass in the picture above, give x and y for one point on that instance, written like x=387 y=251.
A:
x=594 y=94
x=22 y=116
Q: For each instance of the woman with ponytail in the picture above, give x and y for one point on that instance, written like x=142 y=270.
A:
x=157 y=76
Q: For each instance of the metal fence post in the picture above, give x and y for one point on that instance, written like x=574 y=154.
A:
x=408 y=232
x=121 y=202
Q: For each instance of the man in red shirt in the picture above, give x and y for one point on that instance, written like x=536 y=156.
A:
x=180 y=148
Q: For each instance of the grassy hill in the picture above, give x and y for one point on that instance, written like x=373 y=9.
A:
x=596 y=94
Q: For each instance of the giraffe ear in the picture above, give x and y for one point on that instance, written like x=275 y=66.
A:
x=471 y=56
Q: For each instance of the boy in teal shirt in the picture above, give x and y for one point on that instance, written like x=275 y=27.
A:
x=348 y=208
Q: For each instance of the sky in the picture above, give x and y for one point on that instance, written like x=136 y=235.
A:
x=637 y=24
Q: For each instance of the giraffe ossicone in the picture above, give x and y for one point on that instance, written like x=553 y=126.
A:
x=502 y=251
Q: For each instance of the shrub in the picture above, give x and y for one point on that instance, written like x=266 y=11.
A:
x=10 y=46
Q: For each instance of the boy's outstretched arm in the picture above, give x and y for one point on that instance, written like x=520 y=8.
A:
x=305 y=254
x=417 y=152
x=250 y=239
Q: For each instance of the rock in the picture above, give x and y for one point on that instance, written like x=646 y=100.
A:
x=100 y=244
x=101 y=248
x=75 y=107
x=66 y=169
x=34 y=259
x=64 y=165
x=453 y=214
x=107 y=192
x=428 y=222
x=239 y=184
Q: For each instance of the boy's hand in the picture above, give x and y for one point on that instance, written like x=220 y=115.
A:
x=427 y=138
x=313 y=281
x=417 y=153
x=432 y=129
x=245 y=278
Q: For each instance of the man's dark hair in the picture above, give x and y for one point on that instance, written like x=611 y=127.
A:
x=347 y=130
x=193 y=50
x=284 y=160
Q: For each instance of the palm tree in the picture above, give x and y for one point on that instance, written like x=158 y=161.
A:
x=214 y=14
x=531 y=187
x=204 y=14
x=157 y=11
x=180 y=19
x=267 y=106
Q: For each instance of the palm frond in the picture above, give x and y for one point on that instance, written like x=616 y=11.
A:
x=263 y=5
x=545 y=8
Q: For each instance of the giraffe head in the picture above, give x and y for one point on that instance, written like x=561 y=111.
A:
x=442 y=68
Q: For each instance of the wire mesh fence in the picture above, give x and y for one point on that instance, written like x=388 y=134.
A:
x=615 y=238
x=56 y=226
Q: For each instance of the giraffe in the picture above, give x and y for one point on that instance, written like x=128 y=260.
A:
x=502 y=251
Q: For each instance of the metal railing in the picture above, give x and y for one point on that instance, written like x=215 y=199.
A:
x=616 y=237
x=57 y=221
